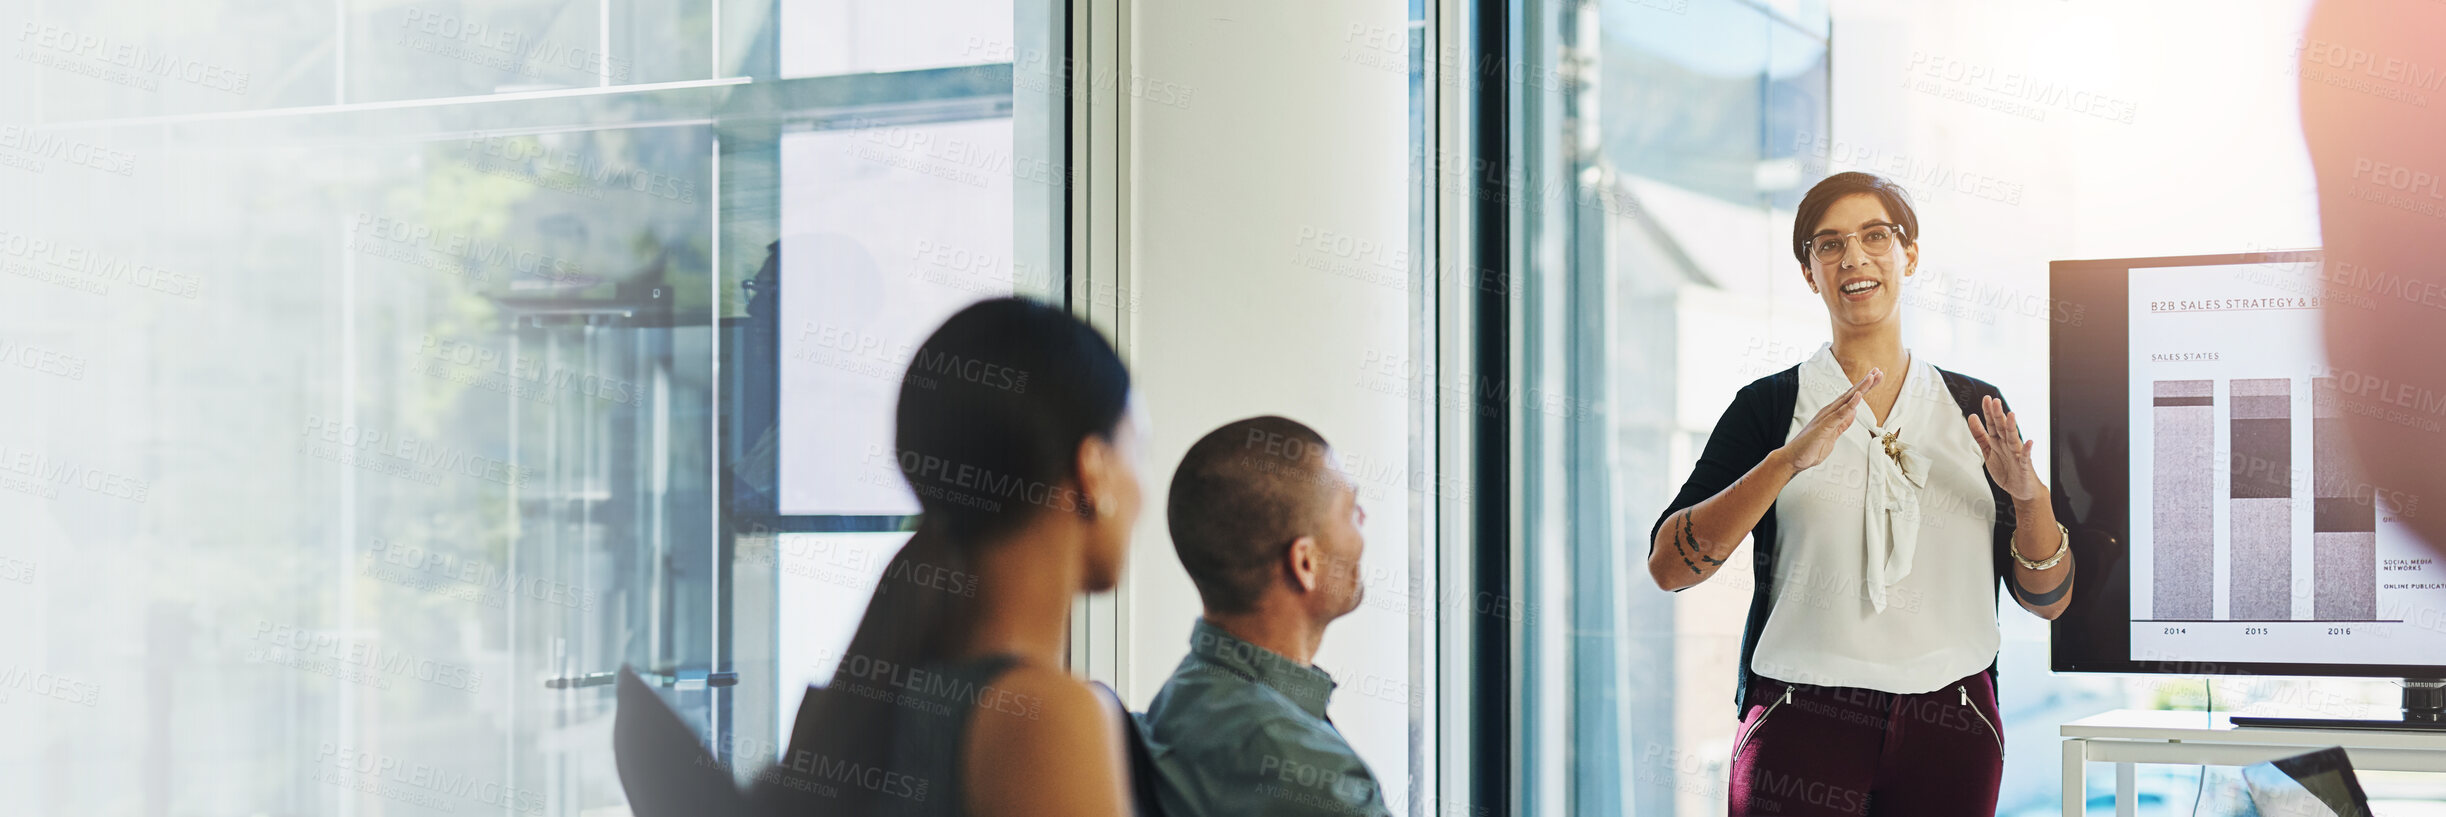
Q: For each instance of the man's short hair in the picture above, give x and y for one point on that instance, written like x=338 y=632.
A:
x=1242 y=493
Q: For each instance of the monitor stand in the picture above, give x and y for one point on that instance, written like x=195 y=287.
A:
x=2424 y=709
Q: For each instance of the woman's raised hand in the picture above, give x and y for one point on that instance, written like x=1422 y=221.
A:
x=1816 y=440
x=2006 y=453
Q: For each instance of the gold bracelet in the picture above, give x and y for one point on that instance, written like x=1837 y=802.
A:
x=2062 y=547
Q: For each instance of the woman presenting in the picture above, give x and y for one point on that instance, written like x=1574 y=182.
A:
x=1885 y=498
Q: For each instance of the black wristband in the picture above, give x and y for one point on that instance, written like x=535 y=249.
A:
x=2036 y=599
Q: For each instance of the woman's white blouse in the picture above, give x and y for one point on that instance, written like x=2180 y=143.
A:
x=1885 y=574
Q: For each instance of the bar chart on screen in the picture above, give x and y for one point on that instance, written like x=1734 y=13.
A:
x=2254 y=536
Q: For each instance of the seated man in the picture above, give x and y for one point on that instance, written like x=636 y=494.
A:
x=1268 y=528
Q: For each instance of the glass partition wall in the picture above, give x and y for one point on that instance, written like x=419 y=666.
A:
x=1667 y=143
x=383 y=376
x=1664 y=145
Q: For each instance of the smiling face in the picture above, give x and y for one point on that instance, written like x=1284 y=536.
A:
x=1860 y=288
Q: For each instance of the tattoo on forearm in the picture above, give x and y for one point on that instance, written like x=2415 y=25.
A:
x=1694 y=540
x=1688 y=545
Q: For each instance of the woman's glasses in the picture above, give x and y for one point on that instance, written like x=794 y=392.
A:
x=1828 y=249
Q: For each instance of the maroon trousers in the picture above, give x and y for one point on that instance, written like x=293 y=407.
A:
x=1810 y=750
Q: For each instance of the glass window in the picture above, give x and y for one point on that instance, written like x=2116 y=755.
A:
x=867 y=283
x=871 y=36
x=1686 y=172
x=412 y=419
x=117 y=59
x=384 y=380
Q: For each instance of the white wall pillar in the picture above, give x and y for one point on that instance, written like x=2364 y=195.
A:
x=1269 y=235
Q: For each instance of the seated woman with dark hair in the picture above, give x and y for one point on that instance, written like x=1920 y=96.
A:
x=1015 y=432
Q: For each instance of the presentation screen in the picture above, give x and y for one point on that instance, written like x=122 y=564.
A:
x=2222 y=524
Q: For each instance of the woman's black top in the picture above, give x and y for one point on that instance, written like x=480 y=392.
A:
x=1757 y=423
x=933 y=707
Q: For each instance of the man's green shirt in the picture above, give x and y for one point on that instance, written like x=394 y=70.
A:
x=1241 y=730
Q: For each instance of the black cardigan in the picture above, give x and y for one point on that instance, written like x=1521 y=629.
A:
x=1754 y=426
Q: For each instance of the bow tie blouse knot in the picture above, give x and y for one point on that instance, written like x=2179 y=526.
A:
x=1891 y=514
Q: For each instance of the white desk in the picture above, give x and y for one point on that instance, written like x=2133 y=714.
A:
x=2125 y=736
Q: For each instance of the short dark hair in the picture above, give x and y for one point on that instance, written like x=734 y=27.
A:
x=1241 y=494
x=1835 y=188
